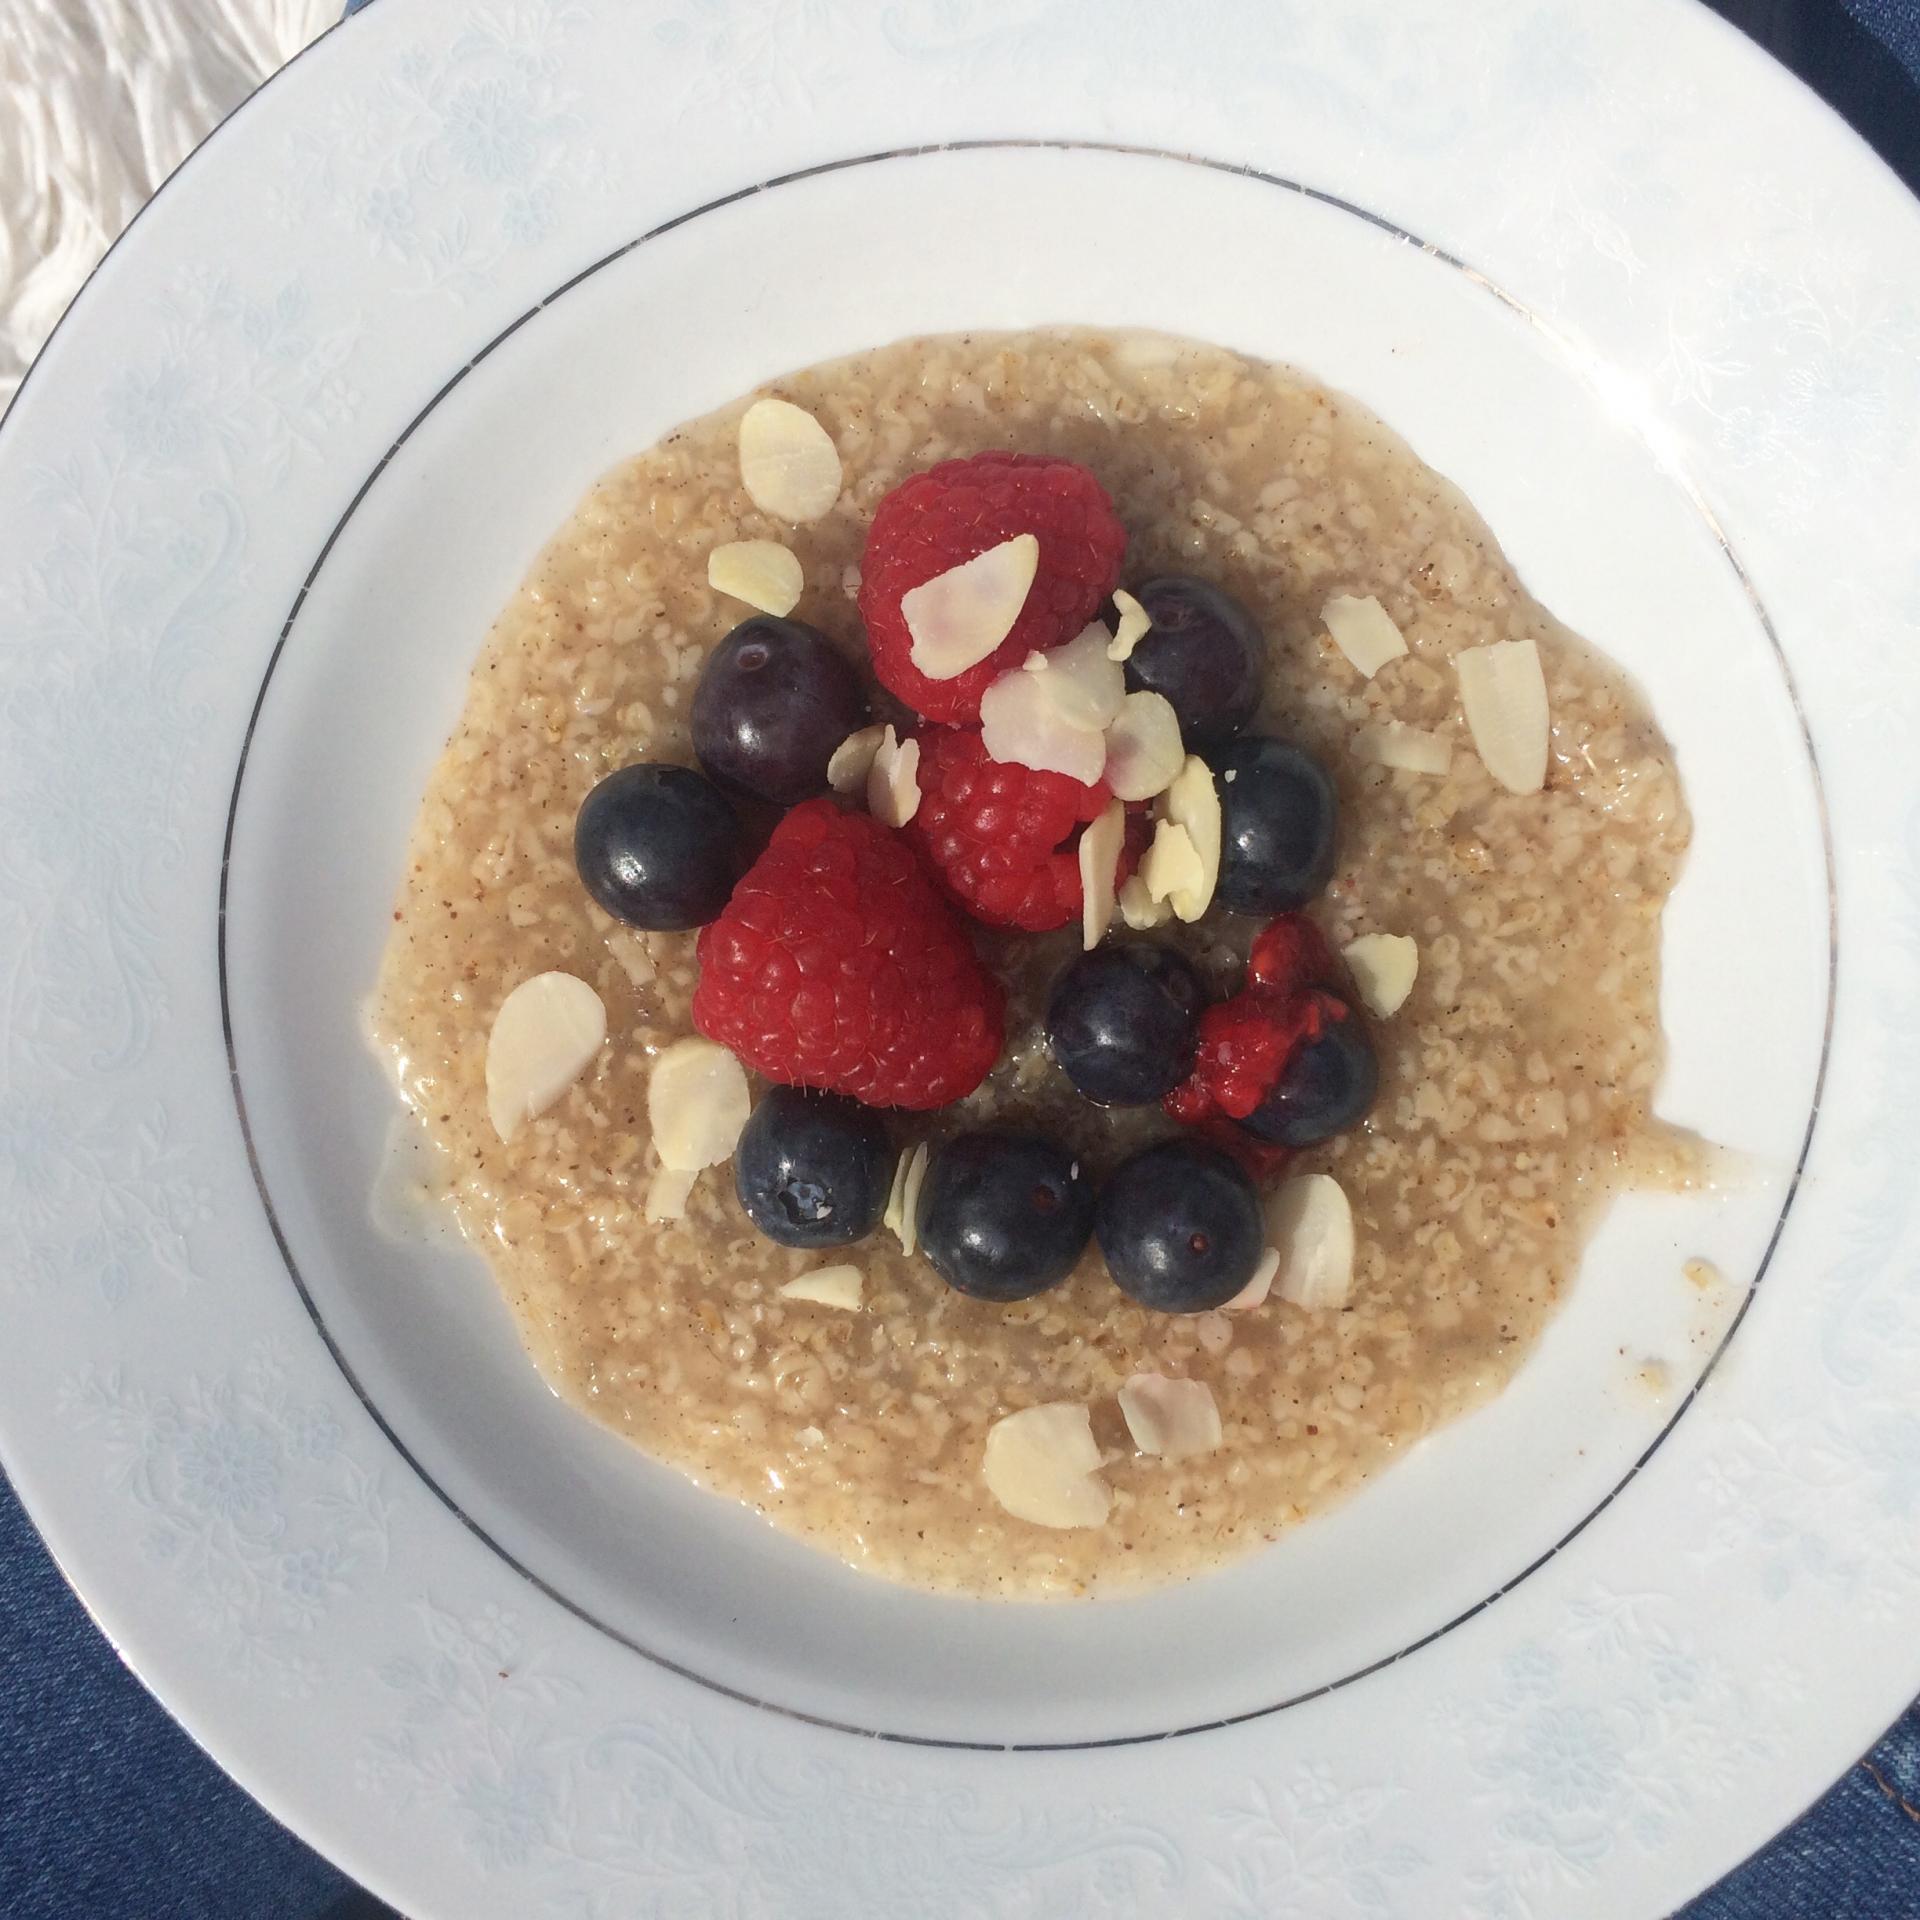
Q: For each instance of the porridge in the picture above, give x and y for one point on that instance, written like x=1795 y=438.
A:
x=1505 y=941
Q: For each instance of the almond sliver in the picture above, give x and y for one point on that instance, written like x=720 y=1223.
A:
x=893 y=781
x=1192 y=802
x=840 y=1286
x=788 y=463
x=1504 y=696
x=959 y=617
x=1043 y=1465
x=1144 y=752
x=697 y=1102
x=668 y=1193
x=853 y=759
x=762 y=573
x=1310 y=1225
x=1021 y=726
x=543 y=1038
x=1364 y=631
x=1407 y=749
x=1085 y=687
x=1139 y=909
x=1100 y=848
x=1384 y=967
x=1171 y=1419
x=1132 y=628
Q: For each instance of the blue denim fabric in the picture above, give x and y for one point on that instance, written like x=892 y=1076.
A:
x=107 y=1809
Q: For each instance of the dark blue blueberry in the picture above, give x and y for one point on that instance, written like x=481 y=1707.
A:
x=1278 y=814
x=1121 y=1022
x=1325 y=1088
x=1004 y=1215
x=1180 y=1226
x=775 y=698
x=658 y=847
x=813 y=1169
x=1205 y=653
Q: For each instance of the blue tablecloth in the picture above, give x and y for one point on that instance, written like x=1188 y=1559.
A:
x=108 y=1811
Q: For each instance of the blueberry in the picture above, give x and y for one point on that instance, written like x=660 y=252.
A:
x=1205 y=653
x=658 y=847
x=813 y=1169
x=1277 y=820
x=774 y=700
x=1121 y=1022
x=1004 y=1215
x=1326 y=1087
x=1180 y=1226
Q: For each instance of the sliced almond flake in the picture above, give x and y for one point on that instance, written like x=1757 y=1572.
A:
x=841 y=1286
x=902 y=1218
x=1084 y=685
x=1144 y=753
x=697 y=1102
x=1021 y=726
x=1172 y=865
x=1384 y=967
x=788 y=463
x=893 y=781
x=1132 y=629
x=1171 y=1419
x=1409 y=749
x=1099 y=865
x=1035 y=662
x=544 y=1036
x=959 y=617
x=1364 y=631
x=668 y=1193
x=1192 y=801
x=1310 y=1226
x=853 y=759
x=894 y=1218
x=1254 y=1293
x=762 y=573
x=1139 y=909
x=1042 y=1464
x=1504 y=696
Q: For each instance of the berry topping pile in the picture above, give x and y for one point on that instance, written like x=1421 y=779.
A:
x=1064 y=752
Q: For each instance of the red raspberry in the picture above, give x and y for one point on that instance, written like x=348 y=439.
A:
x=1290 y=954
x=1003 y=839
x=944 y=517
x=1244 y=1046
x=837 y=965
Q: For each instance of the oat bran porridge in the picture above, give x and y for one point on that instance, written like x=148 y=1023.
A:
x=1515 y=1079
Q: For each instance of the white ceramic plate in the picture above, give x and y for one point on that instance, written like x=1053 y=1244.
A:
x=1650 y=305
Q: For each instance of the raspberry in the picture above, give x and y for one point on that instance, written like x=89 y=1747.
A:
x=944 y=517
x=1244 y=1046
x=1002 y=839
x=1290 y=954
x=837 y=965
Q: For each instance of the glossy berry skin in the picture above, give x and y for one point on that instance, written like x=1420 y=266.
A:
x=1278 y=816
x=838 y=965
x=1204 y=653
x=952 y=512
x=1327 y=1085
x=1121 y=1022
x=1004 y=1215
x=1180 y=1226
x=658 y=847
x=775 y=698
x=813 y=1169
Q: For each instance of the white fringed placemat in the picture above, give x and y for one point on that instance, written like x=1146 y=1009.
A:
x=99 y=101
